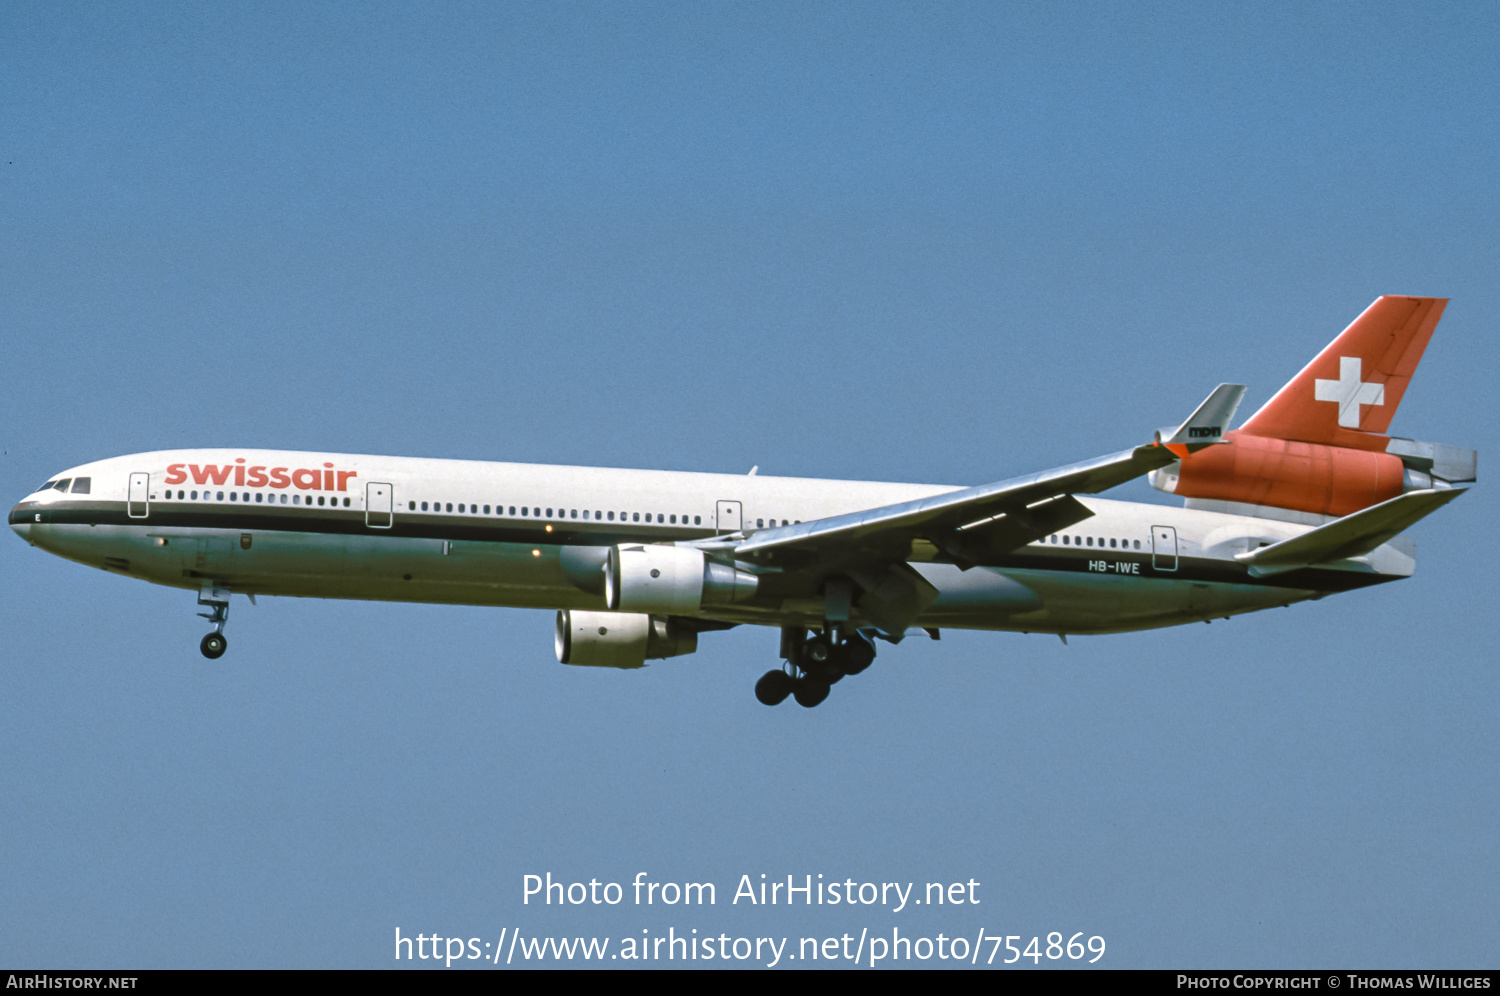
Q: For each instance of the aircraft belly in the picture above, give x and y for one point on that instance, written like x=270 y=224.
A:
x=319 y=565
x=1074 y=602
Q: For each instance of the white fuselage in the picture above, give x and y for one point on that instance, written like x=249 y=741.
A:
x=534 y=536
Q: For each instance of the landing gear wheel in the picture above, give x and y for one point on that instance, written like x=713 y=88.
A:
x=773 y=687
x=817 y=652
x=810 y=691
x=858 y=655
x=213 y=646
x=822 y=660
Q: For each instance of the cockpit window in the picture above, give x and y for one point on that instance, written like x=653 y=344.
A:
x=62 y=485
x=47 y=486
x=81 y=485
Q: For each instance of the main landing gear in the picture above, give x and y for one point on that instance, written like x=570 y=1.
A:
x=814 y=663
x=217 y=599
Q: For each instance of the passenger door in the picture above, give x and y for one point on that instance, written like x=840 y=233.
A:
x=727 y=517
x=1164 y=548
x=138 y=504
x=379 y=505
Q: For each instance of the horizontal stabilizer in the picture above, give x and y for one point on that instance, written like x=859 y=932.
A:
x=1351 y=536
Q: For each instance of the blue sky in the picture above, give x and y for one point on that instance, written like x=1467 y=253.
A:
x=899 y=242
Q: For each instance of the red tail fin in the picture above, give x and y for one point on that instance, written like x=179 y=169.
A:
x=1348 y=394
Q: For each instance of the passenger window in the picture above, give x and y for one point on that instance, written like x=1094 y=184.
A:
x=637 y=517
x=450 y=506
x=672 y=519
x=1065 y=541
x=573 y=513
x=1111 y=543
x=283 y=498
x=524 y=510
x=233 y=495
x=81 y=486
x=220 y=496
x=460 y=506
x=760 y=523
x=486 y=510
x=549 y=513
x=195 y=496
x=1137 y=544
x=513 y=510
x=259 y=498
x=697 y=520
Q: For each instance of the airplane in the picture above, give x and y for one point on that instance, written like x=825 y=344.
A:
x=1306 y=498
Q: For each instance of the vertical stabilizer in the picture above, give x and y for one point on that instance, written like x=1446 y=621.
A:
x=1348 y=394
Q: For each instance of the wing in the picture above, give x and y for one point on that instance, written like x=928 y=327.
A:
x=968 y=526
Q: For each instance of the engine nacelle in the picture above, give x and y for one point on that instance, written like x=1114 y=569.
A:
x=618 y=639
x=670 y=580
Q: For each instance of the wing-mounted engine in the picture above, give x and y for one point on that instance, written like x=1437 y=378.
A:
x=1313 y=477
x=677 y=580
x=619 y=639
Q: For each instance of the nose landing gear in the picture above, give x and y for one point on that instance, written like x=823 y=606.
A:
x=814 y=663
x=217 y=599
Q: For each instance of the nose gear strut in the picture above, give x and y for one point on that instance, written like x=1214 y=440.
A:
x=217 y=599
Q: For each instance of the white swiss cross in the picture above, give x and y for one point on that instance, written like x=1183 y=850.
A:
x=1349 y=392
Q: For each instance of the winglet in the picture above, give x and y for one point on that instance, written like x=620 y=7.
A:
x=1208 y=423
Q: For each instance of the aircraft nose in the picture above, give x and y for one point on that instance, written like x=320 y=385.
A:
x=21 y=522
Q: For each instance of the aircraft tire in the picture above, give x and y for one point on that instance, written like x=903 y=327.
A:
x=858 y=655
x=810 y=691
x=773 y=687
x=213 y=646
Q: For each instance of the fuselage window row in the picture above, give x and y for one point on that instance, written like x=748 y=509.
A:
x=1068 y=540
x=259 y=498
x=527 y=511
